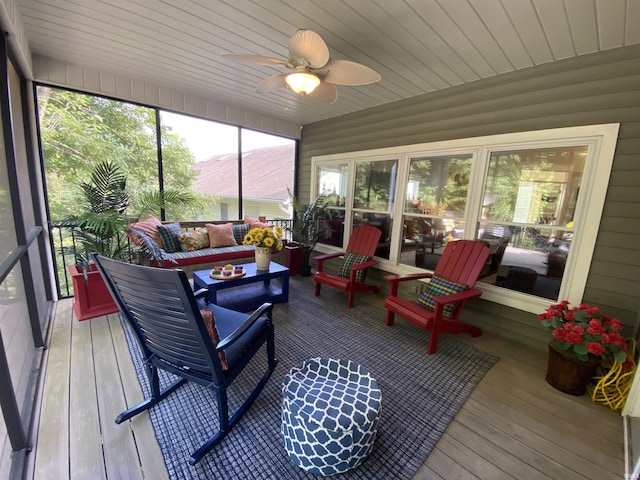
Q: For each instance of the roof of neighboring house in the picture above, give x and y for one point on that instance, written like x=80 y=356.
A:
x=267 y=172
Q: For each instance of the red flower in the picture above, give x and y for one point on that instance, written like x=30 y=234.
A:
x=594 y=348
x=582 y=326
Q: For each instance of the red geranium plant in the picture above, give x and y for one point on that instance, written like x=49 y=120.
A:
x=584 y=332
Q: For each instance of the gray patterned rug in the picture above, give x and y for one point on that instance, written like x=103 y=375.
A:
x=421 y=393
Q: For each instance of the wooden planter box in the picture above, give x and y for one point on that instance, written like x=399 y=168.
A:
x=90 y=296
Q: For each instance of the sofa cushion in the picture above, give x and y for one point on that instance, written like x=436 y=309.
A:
x=194 y=240
x=149 y=227
x=220 y=235
x=169 y=234
x=439 y=286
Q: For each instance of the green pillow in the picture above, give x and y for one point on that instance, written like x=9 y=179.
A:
x=439 y=286
x=350 y=260
x=170 y=236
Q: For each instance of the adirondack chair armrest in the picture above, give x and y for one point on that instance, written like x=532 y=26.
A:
x=396 y=279
x=265 y=308
x=321 y=258
x=456 y=297
x=361 y=266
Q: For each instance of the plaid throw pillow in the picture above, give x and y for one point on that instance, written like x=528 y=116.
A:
x=210 y=325
x=240 y=231
x=439 y=286
x=170 y=235
x=351 y=259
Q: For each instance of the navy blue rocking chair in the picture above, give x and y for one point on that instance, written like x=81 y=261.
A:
x=174 y=336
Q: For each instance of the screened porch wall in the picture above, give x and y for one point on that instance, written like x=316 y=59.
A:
x=58 y=73
x=599 y=88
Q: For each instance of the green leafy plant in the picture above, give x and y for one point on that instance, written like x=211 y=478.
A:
x=103 y=225
x=306 y=228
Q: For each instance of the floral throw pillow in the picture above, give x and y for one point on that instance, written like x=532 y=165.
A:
x=195 y=240
x=439 y=286
x=210 y=324
x=350 y=260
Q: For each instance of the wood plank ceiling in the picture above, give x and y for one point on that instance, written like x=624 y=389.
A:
x=418 y=46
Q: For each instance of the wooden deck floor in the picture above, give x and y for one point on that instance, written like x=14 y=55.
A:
x=513 y=426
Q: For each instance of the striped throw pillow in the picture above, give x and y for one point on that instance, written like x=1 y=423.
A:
x=350 y=260
x=439 y=286
x=210 y=324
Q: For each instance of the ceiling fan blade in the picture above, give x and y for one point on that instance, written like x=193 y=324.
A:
x=257 y=59
x=272 y=83
x=307 y=48
x=325 y=93
x=345 y=72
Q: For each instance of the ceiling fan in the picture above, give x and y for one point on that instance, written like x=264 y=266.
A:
x=313 y=73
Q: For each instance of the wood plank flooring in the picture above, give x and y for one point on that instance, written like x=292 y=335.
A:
x=513 y=426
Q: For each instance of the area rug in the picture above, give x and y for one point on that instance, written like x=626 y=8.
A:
x=420 y=393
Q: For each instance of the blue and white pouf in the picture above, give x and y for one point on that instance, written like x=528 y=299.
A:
x=330 y=413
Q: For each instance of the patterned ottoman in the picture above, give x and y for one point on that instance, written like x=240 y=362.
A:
x=330 y=414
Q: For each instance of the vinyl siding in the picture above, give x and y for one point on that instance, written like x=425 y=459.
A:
x=598 y=88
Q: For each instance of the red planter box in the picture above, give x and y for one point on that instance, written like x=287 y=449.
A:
x=90 y=296
x=293 y=258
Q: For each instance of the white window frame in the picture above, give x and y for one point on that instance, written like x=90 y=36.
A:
x=601 y=142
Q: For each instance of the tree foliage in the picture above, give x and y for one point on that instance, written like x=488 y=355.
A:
x=81 y=131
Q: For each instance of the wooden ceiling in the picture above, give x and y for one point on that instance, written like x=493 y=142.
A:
x=418 y=46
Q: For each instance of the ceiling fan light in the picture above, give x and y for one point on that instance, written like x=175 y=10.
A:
x=302 y=82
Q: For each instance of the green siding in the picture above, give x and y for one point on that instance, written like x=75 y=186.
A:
x=598 y=88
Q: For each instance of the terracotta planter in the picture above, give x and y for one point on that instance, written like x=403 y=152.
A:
x=90 y=296
x=568 y=374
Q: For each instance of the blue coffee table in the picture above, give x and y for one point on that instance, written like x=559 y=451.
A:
x=248 y=292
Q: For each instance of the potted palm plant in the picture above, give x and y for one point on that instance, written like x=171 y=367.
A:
x=306 y=229
x=103 y=228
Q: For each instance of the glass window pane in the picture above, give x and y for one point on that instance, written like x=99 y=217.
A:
x=534 y=186
x=268 y=168
x=424 y=239
x=196 y=155
x=334 y=227
x=438 y=185
x=384 y=222
x=332 y=182
x=375 y=185
x=527 y=217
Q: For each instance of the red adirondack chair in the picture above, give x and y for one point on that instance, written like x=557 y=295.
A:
x=439 y=307
x=357 y=259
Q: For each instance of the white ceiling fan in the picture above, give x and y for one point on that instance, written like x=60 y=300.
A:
x=313 y=73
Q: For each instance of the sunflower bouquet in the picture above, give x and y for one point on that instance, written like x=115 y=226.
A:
x=267 y=238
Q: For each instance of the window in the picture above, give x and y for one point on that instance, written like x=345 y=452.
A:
x=434 y=206
x=373 y=199
x=332 y=183
x=527 y=217
x=534 y=198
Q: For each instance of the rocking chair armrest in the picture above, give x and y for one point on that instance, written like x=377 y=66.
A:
x=456 y=297
x=238 y=332
x=202 y=292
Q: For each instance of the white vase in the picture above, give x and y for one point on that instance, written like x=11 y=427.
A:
x=263 y=258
